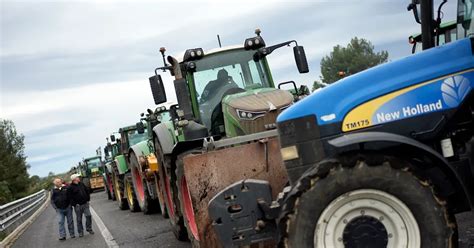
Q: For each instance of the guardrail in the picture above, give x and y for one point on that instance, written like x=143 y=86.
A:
x=15 y=213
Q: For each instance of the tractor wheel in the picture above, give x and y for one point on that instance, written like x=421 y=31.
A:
x=131 y=197
x=146 y=203
x=161 y=195
x=168 y=179
x=111 y=186
x=186 y=204
x=119 y=189
x=365 y=204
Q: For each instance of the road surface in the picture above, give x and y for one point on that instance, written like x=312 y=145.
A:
x=126 y=229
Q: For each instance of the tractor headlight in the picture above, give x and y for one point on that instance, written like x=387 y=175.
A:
x=254 y=43
x=249 y=115
x=193 y=54
x=289 y=153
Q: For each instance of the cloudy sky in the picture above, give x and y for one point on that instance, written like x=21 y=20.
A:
x=72 y=72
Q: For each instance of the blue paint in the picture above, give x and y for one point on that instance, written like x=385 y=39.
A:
x=339 y=98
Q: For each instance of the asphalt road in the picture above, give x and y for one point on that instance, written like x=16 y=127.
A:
x=127 y=229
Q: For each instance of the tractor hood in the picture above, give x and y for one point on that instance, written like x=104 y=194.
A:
x=260 y=100
x=442 y=75
x=254 y=111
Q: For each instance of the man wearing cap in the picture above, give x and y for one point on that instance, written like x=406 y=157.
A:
x=80 y=197
x=62 y=204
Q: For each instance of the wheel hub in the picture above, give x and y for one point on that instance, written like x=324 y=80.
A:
x=367 y=218
x=365 y=231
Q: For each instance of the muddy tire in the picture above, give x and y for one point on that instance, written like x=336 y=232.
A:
x=130 y=193
x=185 y=201
x=168 y=178
x=145 y=202
x=119 y=189
x=365 y=204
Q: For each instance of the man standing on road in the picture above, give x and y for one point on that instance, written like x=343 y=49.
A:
x=80 y=197
x=62 y=204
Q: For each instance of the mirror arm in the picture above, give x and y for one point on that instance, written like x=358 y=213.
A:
x=264 y=51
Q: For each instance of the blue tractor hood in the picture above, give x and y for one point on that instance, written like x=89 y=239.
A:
x=331 y=104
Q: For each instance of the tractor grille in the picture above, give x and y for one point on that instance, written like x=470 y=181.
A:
x=258 y=125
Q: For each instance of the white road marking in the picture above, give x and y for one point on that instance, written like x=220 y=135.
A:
x=109 y=239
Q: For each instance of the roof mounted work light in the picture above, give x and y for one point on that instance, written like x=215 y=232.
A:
x=254 y=43
x=193 y=54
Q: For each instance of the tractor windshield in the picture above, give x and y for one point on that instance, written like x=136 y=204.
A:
x=221 y=74
x=465 y=18
x=134 y=137
x=93 y=163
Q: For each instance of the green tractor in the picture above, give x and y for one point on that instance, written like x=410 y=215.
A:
x=222 y=130
x=111 y=150
x=144 y=170
x=91 y=170
x=447 y=33
x=121 y=173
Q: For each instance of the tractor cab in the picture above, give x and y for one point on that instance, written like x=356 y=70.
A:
x=229 y=91
x=130 y=136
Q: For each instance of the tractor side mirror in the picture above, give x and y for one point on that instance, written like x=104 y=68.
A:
x=112 y=138
x=106 y=151
x=300 y=59
x=157 y=89
x=140 y=127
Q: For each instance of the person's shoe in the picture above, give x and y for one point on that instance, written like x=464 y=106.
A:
x=73 y=237
x=62 y=238
x=91 y=232
x=81 y=235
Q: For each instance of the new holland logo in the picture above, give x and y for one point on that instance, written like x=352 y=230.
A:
x=454 y=89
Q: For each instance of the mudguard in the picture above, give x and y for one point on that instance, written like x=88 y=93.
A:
x=165 y=136
x=121 y=164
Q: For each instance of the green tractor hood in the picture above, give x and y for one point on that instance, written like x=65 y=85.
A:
x=254 y=110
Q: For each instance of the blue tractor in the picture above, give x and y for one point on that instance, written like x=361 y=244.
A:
x=383 y=158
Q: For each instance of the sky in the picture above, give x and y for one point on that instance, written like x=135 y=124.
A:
x=73 y=72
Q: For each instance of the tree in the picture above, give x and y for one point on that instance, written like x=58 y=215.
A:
x=317 y=85
x=14 y=178
x=344 y=61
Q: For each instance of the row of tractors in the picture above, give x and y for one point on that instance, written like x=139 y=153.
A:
x=382 y=158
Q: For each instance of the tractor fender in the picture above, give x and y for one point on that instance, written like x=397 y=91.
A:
x=166 y=139
x=108 y=166
x=141 y=149
x=121 y=164
x=354 y=141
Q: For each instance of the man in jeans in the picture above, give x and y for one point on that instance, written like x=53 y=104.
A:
x=62 y=204
x=80 y=197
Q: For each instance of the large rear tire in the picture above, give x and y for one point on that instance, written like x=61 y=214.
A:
x=146 y=203
x=130 y=192
x=119 y=189
x=357 y=205
x=168 y=179
x=186 y=204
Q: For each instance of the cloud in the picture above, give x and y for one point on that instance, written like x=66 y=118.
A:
x=74 y=72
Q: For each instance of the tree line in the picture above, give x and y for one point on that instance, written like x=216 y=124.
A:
x=15 y=182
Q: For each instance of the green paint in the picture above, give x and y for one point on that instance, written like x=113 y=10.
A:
x=122 y=164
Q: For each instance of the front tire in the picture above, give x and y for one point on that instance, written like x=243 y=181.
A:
x=131 y=197
x=146 y=203
x=186 y=204
x=119 y=189
x=168 y=178
x=357 y=205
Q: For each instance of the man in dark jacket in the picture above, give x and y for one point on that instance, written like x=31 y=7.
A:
x=80 y=197
x=62 y=204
